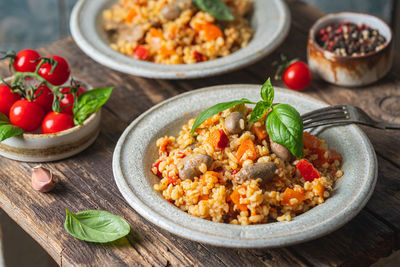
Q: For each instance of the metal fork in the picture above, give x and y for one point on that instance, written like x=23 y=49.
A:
x=342 y=114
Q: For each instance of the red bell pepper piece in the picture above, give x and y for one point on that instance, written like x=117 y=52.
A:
x=307 y=170
x=141 y=52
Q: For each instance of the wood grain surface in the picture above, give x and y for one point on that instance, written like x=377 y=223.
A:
x=86 y=180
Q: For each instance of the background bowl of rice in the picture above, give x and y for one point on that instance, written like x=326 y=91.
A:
x=136 y=152
x=270 y=21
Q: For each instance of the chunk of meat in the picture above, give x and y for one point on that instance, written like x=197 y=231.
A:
x=232 y=122
x=191 y=165
x=243 y=7
x=130 y=33
x=281 y=151
x=265 y=171
x=173 y=10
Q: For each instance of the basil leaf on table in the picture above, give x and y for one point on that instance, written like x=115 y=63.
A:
x=259 y=111
x=215 y=8
x=267 y=92
x=90 y=102
x=8 y=130
x=285 y=127
x=95 y=226
x=215 y=110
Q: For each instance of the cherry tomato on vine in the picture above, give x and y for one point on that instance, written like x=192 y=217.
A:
x=25 y=60
x=68 y=100
x=297 y=76
x=26 y=115
x=59 y=75
x=7 y=99
x=45 y=99
x=56 y=122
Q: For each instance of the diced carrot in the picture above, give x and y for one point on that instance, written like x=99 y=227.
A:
x=318 y=189
x=216 y=174
x=260 y=131
x=211 y=31
x=164 y=144
x=246 y=150
x=155 y=33
x=307 y=170
x=211 y=121
x=289 y=194
x=235 y=197
x=154 y=37
x=141 y=52
x=165 y=51
x=173 y=31
x=204 y=197
x=218 y=139
x=132 y=13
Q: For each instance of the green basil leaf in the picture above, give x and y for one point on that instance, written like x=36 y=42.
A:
x=95 y=226
x=267 y=92
x=215 y=8
x=8 y=130
x=90 y=102
x=285 y=127
x=215 y=110
x=258 y=111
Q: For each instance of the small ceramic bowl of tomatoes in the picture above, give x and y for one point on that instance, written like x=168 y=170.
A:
x=45 y=114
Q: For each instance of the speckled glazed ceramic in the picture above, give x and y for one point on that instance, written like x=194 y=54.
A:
x=270 y=21
x=136 y=151
x=32 y=147
x=347 y=70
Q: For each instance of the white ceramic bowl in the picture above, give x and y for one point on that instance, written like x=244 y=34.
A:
x=347 y=70
x=136 y=151
x=31 y=147
x=270 y=21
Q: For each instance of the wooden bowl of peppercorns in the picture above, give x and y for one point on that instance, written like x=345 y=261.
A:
x=350 y=49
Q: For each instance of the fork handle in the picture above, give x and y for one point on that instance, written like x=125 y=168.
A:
x=385 y=125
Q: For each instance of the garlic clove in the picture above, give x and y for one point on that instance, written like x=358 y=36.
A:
x=42 y=179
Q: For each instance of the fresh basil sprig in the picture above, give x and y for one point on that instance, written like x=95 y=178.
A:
x=283 y=122
x=285 y=126
x=215 y=8
x=8 y=130
x=208 y=113
x=90 y=102
x=95 y=226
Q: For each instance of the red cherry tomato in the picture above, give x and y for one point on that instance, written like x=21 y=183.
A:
x=24 y=60
x=7 y=99
x=297 y=76
x=26 y=115
x=56 y=122
x=59 y=75
x=45 y=99
x=68 y=100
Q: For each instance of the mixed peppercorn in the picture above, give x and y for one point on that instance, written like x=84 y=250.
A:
x=349 y=39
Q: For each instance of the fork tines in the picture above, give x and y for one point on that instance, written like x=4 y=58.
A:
x=329 y=115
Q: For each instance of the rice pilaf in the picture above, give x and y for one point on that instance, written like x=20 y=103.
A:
x=175 y=31
x=214 y=192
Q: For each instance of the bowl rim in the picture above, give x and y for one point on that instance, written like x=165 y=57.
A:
x=326 y=227
x=104 y=55
x=314 y=29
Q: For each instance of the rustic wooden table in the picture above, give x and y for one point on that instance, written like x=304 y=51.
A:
x=86 y=180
